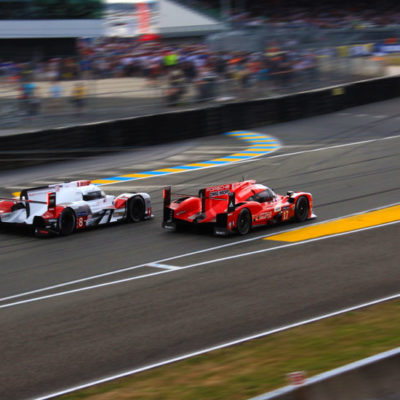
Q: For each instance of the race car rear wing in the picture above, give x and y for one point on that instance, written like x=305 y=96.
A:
x=167 y=201
x=22 y=201
x=51 y=201
x=206 y=195
x=209 y=195
x=232 y=202
x=25 y=202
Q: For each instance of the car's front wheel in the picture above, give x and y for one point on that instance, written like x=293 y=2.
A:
x=136 y=209
x=301 y=209
x=244 y=221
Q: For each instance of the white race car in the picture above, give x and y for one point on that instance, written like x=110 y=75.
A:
x=61 y=209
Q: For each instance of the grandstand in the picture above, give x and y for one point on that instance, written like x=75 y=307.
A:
x=326 y=14
x=37 y=29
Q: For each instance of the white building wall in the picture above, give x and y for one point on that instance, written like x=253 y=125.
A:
x=177 y=18
x=65 y=28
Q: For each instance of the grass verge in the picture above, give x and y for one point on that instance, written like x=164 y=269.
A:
x=260 y=365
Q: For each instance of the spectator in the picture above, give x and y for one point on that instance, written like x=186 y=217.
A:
x=55 y=93
x=78 y=97
x=176 y=87
x=28 y=96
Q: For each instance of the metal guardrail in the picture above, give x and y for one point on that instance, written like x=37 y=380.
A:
x=375 y=377
x=258 y=37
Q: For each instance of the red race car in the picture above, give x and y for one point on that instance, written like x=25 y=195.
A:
x=235 y=207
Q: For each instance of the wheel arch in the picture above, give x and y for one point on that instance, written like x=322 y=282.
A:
x=309 y=197
x=129 y=201
x=237 y=215
x=68 y=210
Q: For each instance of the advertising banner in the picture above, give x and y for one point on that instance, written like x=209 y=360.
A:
x=387 y=48
x=131 y=18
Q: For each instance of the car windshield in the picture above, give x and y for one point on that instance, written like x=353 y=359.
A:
x=98 y=194
x=265 y=195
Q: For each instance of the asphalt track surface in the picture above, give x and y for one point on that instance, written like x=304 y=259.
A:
x=67 y=335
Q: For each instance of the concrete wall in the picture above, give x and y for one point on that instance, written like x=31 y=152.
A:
x=64 y=28
x=171 y=126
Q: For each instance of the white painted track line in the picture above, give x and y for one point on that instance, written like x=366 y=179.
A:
x=257 y=158
x=212 y=261
x=220 y=346
x=163 y=266
x=169 y=268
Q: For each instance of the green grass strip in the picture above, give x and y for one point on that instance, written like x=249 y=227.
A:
x=261 y=365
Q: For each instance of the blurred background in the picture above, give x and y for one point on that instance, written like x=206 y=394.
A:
x=73 y=61
x=64 y=63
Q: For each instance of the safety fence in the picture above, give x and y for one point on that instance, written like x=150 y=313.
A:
x=115 y=98
x=257 y=38
x=180 y=125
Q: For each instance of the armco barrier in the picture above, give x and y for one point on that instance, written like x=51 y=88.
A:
x=372 y=378
x=211 y=120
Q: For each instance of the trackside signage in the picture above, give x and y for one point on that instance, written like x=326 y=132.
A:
x=297 y=378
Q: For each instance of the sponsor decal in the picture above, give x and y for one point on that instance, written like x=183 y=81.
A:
x=389 y=48
x=218 y=193
x=285 y=214
x=81 y=222
x=218 y=190
x=262 y=216
x=297 y=378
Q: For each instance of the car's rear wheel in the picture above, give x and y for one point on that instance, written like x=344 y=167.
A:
x=67 y=222
x=244 y=222
x=301 y=209
x=136 y=209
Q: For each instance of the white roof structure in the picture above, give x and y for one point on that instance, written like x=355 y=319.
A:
x=168 y=18
x=178 y=20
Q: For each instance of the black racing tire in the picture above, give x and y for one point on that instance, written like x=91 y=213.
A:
x=302 y=208
x=136 y=209
x=67 y=222
x=244 y=222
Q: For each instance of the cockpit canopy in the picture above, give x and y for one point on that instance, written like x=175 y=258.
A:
x=93 y=195
x=263 y=196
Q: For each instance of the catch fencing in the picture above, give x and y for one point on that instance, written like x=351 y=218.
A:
x=115 y=98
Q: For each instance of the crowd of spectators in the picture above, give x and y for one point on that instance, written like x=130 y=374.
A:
x=114 y=58
x=175 y=68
